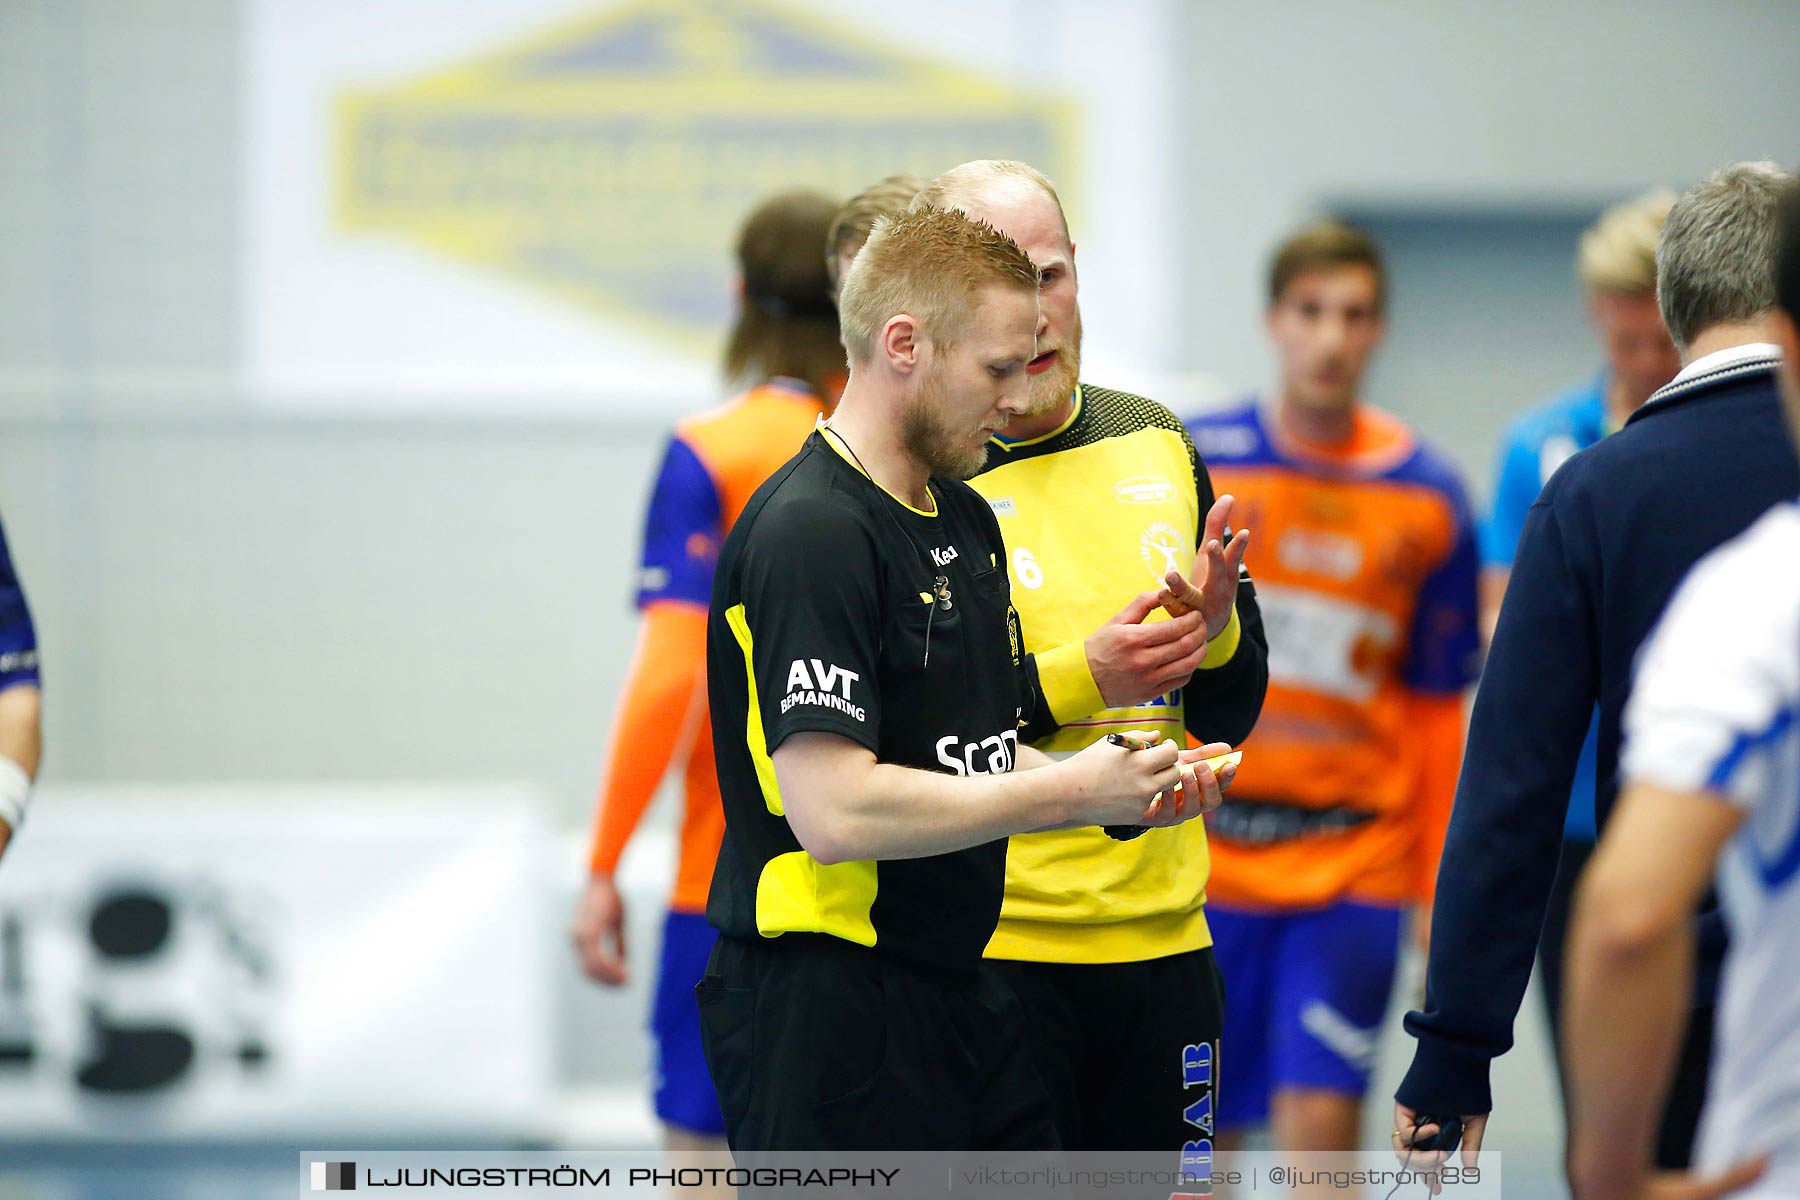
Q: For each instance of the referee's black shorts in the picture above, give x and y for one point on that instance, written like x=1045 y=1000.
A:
x=1129 y=1051
x=818 y=1044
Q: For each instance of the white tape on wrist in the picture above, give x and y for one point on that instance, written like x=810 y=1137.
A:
x=15 y=792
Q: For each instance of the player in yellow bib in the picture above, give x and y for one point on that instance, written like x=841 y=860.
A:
x=1103 y=505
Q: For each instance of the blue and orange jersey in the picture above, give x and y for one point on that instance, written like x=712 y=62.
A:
x=713 y=463
x=18 y=638
x=1365 y=559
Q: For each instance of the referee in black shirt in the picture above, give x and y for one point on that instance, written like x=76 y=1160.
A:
x=867 y=686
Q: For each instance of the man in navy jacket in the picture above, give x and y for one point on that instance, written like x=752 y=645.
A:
x=1610 y=536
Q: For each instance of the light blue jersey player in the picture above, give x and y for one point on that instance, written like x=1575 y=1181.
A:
x=20 y=737
x=1535 y=446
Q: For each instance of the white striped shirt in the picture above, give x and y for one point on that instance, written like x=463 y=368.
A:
x=1713 y=709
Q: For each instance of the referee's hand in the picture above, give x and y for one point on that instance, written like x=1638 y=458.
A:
x=598 y=932
x=1152 y=787
x=1200 y=791
x=1210 y=800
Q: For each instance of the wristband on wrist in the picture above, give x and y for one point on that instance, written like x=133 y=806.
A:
x=15 y=792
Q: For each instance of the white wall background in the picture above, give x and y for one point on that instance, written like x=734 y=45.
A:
x=1457 y=108
x=225 y=593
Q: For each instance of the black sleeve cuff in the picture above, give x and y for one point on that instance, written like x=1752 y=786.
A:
x=1037 y=721
x=1222 y=705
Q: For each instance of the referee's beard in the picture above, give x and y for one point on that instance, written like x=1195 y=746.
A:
x=1056 y=385
x=944 y=449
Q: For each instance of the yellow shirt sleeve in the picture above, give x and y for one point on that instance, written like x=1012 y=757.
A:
x=1067 y=683
x=1219 y=650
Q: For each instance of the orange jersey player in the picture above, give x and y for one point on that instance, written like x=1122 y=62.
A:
x=1365 y=559
x=712 y=465
x=786 y=336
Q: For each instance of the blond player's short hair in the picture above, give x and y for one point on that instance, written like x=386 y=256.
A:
x=1617 y=255
x=932 y=264
x=857 y=216
x=964 y=185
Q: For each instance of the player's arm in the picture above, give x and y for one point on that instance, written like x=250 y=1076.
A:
x=1517 y=481
x=655 y=717
x=21 y=746
x=1707 y=696
x=656 y=710
x=1434 y=722
x=1443 y=649
x=1494 y=580
x=654 y=721
x=21 y=729
x=1630 y=972
x=845 y=806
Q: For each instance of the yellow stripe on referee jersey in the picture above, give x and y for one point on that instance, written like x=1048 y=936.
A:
x=796 y=893
x=753 y=726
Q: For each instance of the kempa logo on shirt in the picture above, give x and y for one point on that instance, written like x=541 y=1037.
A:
x=1144 y=489
x=945 y=556
x=824 y=684
x=997 y=753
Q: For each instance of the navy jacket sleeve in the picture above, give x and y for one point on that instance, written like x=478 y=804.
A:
x=1500 y=855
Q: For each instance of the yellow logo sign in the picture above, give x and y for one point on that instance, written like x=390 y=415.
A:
x=610 y=159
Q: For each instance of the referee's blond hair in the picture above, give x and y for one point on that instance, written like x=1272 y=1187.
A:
x=1617 y=255
x=931 y=264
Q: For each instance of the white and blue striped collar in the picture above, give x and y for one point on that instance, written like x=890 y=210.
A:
x=1718 y=366
x=1728 y=357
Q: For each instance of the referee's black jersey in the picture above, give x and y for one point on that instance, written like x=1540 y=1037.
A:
x=826 y=616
